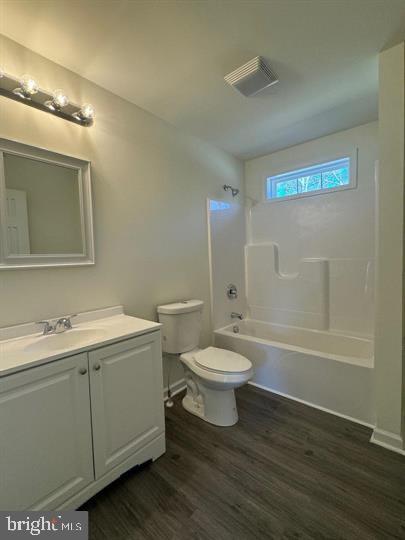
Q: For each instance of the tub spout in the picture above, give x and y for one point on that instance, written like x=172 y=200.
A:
x=236 y=315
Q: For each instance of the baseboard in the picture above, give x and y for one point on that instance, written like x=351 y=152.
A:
x=175 y=388
x=388 y=440
x=313 y=405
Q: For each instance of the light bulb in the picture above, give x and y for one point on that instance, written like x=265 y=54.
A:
x=87 y=111
x=86 y=114
x=60 y=99
x=29 y=85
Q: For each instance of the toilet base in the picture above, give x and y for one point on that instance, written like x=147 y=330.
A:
x=218 y=407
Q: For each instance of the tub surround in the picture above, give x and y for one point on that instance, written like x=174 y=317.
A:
x=337 y=228
x=226 y=235
x=295 y=299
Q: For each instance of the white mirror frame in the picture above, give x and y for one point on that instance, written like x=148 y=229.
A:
x=12 y=261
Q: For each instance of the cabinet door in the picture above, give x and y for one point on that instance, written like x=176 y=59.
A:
x=126 y=398
x=45 y=435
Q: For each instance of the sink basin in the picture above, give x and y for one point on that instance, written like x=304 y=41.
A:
x=76 y=337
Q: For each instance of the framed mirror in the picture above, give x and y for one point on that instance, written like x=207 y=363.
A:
x=46 y=214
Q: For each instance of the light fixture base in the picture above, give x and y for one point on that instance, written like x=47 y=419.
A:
x=20 y=93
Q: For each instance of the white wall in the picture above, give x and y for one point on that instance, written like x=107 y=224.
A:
x=150 y=184
x=338 y=226
x=390 y=383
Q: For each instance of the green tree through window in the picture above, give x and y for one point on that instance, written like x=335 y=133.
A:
x=318 y=178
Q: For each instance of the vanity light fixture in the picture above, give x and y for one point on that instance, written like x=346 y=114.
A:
x=26 y=90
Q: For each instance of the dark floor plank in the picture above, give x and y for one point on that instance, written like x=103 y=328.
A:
x=284 y=471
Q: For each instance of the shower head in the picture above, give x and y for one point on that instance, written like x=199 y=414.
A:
x=233 y=190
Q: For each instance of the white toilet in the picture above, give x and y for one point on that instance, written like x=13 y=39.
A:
x=211 y=374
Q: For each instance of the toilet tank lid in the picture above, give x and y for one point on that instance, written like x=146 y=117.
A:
x=187 y=306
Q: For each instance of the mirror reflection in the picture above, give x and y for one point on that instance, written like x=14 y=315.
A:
x=43 y=210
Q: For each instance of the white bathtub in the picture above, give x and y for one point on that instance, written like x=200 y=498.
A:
x=333 y=372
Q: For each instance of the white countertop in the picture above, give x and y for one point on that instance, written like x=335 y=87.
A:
x=23 y=346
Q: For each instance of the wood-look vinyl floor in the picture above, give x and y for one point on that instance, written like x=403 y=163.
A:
x=284 y=471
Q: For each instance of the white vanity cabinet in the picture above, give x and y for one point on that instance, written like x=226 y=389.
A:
x=71 y=426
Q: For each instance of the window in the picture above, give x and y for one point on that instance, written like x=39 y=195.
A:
x=215 y=206
x=321 y=178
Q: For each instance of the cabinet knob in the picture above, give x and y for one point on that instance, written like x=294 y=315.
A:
x=83 y=371
x=96 y=367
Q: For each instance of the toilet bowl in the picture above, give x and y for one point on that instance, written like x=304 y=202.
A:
x=211 y=376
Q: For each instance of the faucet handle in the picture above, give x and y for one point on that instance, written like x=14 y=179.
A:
x=64 y=323
x=68 y=320
x=48 y=327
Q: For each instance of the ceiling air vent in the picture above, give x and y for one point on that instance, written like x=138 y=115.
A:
x=252 y=77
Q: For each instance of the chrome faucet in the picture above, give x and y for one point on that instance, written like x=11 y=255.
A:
x=236 y=315
x=61 y=325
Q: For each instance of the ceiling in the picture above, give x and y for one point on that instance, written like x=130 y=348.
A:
x=170 y=56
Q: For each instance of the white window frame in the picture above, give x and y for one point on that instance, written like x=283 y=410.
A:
x=353 y=174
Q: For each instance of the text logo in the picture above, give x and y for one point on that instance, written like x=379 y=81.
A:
x=57 y=525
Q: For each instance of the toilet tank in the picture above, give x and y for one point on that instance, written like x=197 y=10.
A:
x=181 y=325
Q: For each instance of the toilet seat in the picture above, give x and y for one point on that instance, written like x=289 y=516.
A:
x=221 y=361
